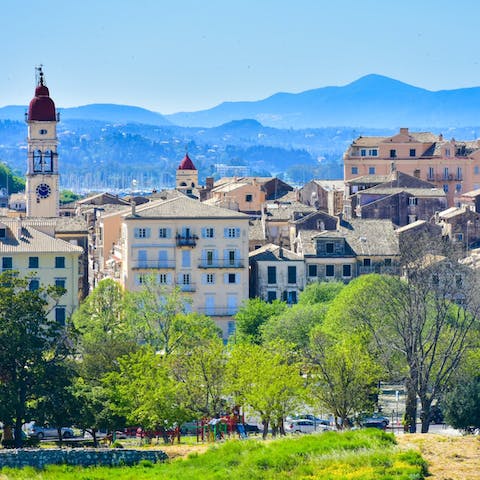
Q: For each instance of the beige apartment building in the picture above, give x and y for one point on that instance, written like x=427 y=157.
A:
x=47 y=260
x=201 y=249
x=453 y=166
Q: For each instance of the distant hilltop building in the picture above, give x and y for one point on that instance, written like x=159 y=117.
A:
x=451 y=165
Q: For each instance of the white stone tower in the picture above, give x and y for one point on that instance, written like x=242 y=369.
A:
x=42 y=185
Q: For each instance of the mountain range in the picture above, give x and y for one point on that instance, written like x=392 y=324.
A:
x=373 y=101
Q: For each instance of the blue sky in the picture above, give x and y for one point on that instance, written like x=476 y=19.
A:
x=184 y=55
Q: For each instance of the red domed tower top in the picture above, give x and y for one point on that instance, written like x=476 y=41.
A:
x=41 y=108
x=186 y=164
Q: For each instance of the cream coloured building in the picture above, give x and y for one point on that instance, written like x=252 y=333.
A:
x=25 y=248
x=202 y=249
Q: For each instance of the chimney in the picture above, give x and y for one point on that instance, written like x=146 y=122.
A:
x=133 y=205
x=403 y=131
x=19 y=227
x=280 y=250
x=209 y=183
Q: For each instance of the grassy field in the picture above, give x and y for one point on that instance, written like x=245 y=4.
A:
x=357 y=455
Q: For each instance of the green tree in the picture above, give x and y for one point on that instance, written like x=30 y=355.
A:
x=201 y=370
x=252 y=315
x=293 y=325
x=30 y=344
x=104 y=330
x=67 y=196
x=158 y=318
x=145 y=393
x=343 y=375
x=320 y=292
x=265 y=381
x=9 y=180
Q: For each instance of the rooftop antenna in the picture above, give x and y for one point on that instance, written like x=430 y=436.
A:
x=39 y=75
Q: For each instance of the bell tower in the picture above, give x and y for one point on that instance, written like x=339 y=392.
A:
x=187 y=176
x=42 y=185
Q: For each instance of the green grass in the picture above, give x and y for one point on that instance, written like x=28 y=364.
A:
x=358 y=455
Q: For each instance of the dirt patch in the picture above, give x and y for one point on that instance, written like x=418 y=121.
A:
x=183 y=450
x=449 y=458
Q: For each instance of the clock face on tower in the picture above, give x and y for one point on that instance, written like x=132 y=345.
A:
x=43 y=190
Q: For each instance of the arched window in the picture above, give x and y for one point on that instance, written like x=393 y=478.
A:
x=37 y=161
x=48 y=161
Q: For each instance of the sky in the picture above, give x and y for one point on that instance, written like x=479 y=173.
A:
x=187 y=55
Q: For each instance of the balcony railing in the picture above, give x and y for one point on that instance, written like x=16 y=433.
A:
x=153 y=264
x=384 y=269
x=218 y=311
x=186 y=287
x=186 y=240
x=441 y=177
x=236 y=263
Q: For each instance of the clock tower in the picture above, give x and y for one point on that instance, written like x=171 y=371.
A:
x=42 y=186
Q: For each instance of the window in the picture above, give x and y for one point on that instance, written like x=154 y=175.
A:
x=60 y=282
x=3 y=232
x=162 y=279
x=393 y=153
x=371 y=170
x=271 y=295
x=312 y=270
x=232 y=232
x=7 y=263
x=367 y=262
x=445 y=188
x=347 y=271
x=458 y=281
x=248 y=197
x=458 y=187
x=329 y=247
x=445 y=173
x=231 y=257
x=290 y=297
x=417 y=173
x=208 y=232
x=164 y=232
x=272 y=274
x=413 y=152
x=210 y=278
x=431 y=173
x=363 y=152
x=186 y=258
x=447 y=152
x=388 y=262
x=60 y=314
x=34 y=284
x=231 y=278
x=373 y=152
x=329 y=270
x=412 y=200
x=231 y=328
x=140 y=279
x=209 y=257
x=141 y=232
x=435 y=279
x=142 y=259
x=476 y=169
x=232 y=304
x=163 y=259
x=292 y=274
x=185 y=279
x=354 y=170
x=32 y=262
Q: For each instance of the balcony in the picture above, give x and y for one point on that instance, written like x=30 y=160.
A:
x=153 y=264
x=186 y=240
x=218 y=311
x=236 y=263
x=441 y=177
x=186 y=287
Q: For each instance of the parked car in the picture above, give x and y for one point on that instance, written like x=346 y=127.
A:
x=250 y=428
x=47 y=431
x=376 y=420
x=302 y=425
